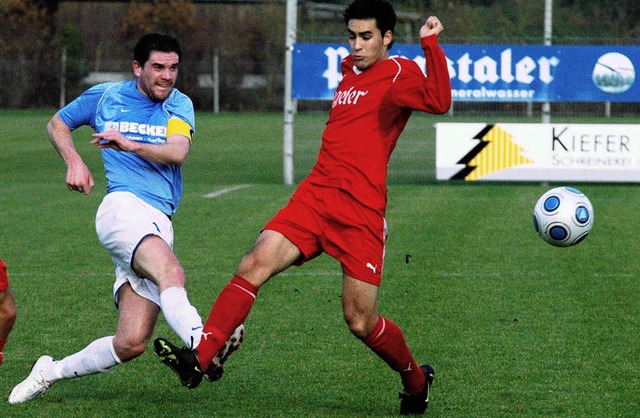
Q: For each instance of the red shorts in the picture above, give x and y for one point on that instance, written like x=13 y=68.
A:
x=323 y=219
x=4 y=279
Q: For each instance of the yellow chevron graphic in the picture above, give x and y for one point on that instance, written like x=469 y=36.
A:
x=499 y=154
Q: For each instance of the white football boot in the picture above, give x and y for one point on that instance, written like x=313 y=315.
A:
x=35 y=384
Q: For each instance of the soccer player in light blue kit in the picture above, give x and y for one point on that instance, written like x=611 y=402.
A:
x=144 y=128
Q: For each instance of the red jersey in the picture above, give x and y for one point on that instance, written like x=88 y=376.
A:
x=369 y=111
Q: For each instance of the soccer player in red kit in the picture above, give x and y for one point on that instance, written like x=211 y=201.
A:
x=339 y=208
x=8 y=309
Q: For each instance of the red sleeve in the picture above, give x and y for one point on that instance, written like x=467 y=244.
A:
x=431 y=93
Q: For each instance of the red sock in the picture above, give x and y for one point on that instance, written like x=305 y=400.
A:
x=387 y=341
x=4 y=278
x=228 y=312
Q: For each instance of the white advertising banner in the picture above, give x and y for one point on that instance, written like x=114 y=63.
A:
x=532 y=152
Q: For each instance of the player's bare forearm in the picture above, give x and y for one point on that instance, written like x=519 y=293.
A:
x=173 y=152
x=60 y=136
x=79 y=176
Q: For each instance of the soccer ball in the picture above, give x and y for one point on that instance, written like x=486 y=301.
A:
x=563 y=216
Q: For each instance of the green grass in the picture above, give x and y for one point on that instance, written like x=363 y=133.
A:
x=513 y=326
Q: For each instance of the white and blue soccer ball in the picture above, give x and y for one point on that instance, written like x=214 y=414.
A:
x=563 y=216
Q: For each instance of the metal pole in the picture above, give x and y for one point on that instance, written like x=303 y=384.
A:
x=289 y=103
x=548 y=24
x=216 y=82
x=63 y=78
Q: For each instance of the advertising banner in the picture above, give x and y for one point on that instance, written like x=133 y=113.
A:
x=495 y=73
x=541 y=152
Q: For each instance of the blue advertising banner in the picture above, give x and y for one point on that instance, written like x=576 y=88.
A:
x=494 y=73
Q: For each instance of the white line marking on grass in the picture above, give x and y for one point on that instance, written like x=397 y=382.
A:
x=225 y=190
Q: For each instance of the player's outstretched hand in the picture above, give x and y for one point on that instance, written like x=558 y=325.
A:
x=111 y=139
x=432 y=26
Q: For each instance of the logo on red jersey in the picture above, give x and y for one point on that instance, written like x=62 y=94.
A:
x=348 y=97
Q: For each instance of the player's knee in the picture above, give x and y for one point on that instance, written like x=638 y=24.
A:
x=170 y=276
x=250 y=262
x=9 y=316
x=177 y=275
x=8 y=312
x=253 y=269
x=358 y=325
x=128 y=350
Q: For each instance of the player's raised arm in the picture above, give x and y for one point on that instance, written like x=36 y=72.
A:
x=78 y=174
x=437 y=86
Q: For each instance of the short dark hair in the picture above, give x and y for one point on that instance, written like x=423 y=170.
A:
x=380 y=10
x=155 y=42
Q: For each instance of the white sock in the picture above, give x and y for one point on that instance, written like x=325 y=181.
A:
x=97 y=357
x=181 y=316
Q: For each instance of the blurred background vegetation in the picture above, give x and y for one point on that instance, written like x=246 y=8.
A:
x=52 y=46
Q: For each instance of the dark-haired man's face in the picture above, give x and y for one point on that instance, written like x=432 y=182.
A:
x=368 y=45
x=158 y=75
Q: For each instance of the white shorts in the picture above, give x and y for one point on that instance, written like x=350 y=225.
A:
x=123 y=220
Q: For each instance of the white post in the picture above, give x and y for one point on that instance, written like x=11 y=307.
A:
x=289 y=103
x=63 y=78
x=548 y=24
x=216 y=82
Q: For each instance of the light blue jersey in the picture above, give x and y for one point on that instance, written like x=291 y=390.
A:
x=121 y=106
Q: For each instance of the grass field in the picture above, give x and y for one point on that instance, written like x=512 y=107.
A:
x=514 y=327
